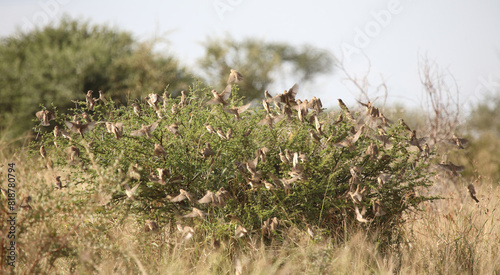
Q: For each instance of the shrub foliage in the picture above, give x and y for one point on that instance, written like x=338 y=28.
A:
x=328 y=172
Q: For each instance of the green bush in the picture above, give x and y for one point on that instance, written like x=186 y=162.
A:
x=325 y=196
x=58 y=63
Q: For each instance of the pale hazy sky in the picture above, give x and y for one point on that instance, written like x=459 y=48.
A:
x=463 y=37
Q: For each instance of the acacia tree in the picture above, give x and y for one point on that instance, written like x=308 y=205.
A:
x=261 y=62
x=57 y=64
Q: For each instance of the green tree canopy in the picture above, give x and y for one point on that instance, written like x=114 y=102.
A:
x=260 y=62
x=57 y=64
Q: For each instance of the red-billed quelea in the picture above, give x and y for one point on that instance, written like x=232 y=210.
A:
x=145 y=130
x=45 y=117
x=207 y=151
x=270 y=120
x=182 y=196
x=153 y=100
x=222 y=97
x=196 y=213
x=58 y=183
x=150 y=225
x=90 y=100
x=234 y=77
x=43 y=153
x=460 y=143
x=137 y=109
x=236 y=111
x=131 y=191
x=240 y=231
x=80 y=128
x=73 y=154
x=288 y=97
x=472 y=192
x=359 y=215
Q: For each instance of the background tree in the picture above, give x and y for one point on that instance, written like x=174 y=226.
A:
x=483 y=127
x=260 y=62
x=57 y=64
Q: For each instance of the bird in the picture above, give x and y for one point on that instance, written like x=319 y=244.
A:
x=372 y=151
x=267 y=96
x=174 y=109
x=182 y=102
x=229 y=134
x=73 y=155
x=314 y=136
x=236 y=111
x=220 y=98
x=86 y=117
x=266 y=228
x=137 y=109
x=131 y=191
x=150 y=225
x=288 y=97
x=43 y=153
x=134 y=171
x=405 y=126
x=472 y=192
x=265 y=104
x=187 y=232
x=283 y=158
x=345 y=109
x=416 y=141
x=182 y=196
x=315 y=104
x=349 y=141
x=196 y=213
x=357 y=196
x=234 y=77
x=310 y=231
x=452 y=168
x=209 y=127
x=359 y=215
x=90 y=100
x=115 y=128
x=318 y=125
x=153 y=100
x=240 y=231
x=145 y=130
x=102 y=97
x=174 y=128
x=162 y=175
x=215 y=198
x=159 y=151
x=207 y=151
x=378 y=209
x=221 y=133
x=45 y=117
x=80 y=128
x=460 y=143
x=270 y=120
x=58 y=183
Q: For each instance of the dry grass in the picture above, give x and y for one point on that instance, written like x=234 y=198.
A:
x=64 y=235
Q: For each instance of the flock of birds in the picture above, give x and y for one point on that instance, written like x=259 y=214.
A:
x=280 y=107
